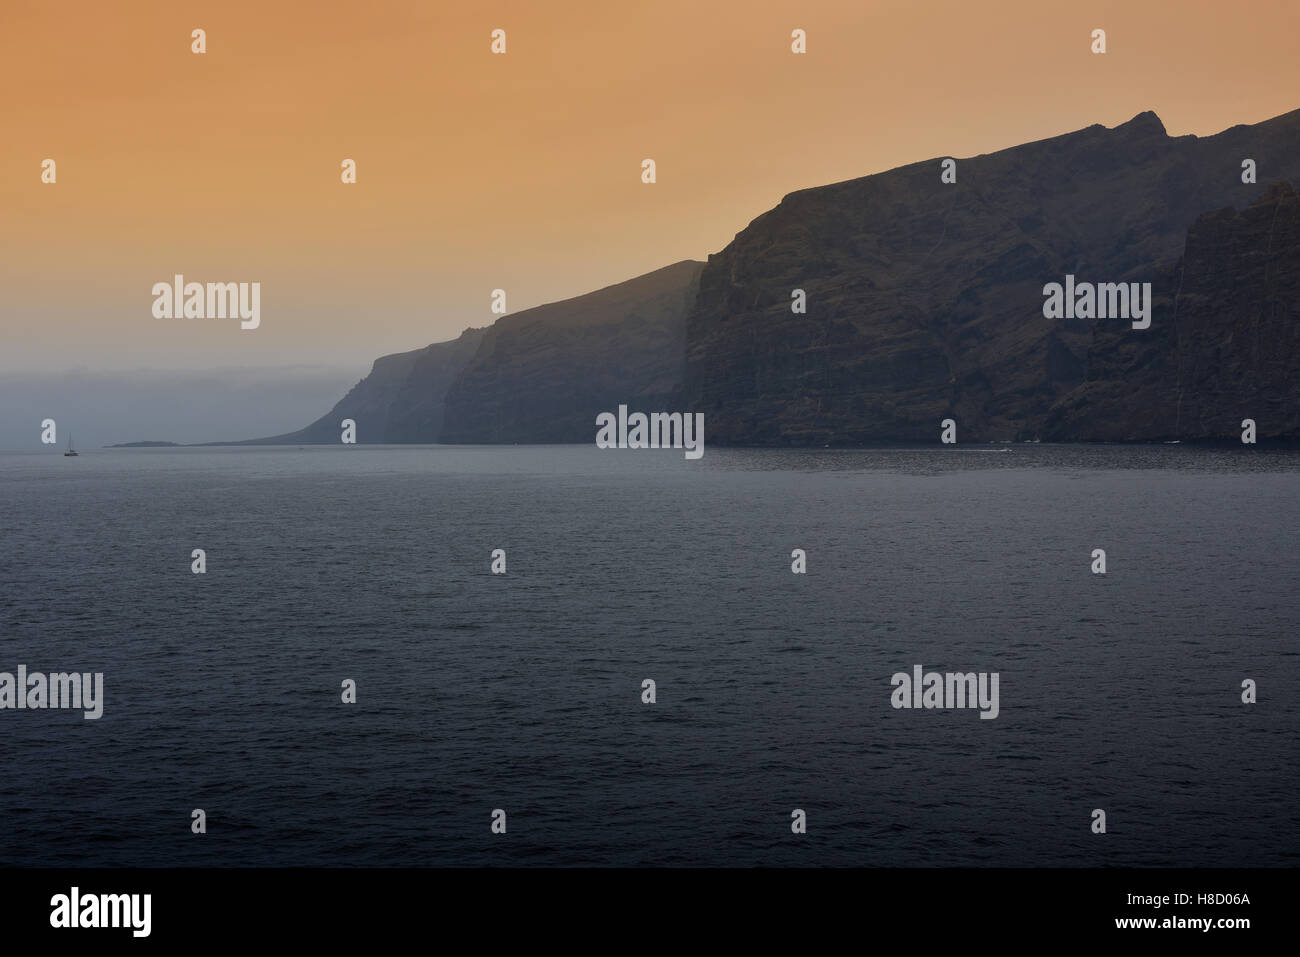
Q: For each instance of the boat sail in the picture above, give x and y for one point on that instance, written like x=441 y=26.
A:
x=71 y=450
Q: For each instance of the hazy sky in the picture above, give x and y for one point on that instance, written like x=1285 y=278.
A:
x=220 y=405
x=519 y=171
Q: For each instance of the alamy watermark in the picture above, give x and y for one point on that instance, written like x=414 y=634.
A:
x=952 y=690
x=658 y=430
x=58 y=690
x=179 y=299
x=75 y=909
x=1105 y=300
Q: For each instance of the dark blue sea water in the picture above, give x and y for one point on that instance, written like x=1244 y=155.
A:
x=523 y=691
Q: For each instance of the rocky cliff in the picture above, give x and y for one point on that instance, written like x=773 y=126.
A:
x=1228 y=347
x=401 y=400
x=924 y=299
x=543 y=375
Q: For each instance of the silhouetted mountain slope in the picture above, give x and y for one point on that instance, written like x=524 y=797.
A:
x=924 y=302
x=543 y=375
x=925 y=299
x=399 y=401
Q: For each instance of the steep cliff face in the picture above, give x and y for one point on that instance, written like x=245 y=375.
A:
x=541 y=375
x=924 y=299
x=924 y=302
x=399 y=401
x=544 y=374
x=1227 y=350
x=416 y=412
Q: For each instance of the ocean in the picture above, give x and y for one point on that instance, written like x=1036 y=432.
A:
x=523 y=691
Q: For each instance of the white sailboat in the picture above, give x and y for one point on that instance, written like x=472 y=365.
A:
x=71 y=450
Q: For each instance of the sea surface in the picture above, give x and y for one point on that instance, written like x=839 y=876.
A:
x=522 y=691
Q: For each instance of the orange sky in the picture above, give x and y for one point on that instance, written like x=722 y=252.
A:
x=519 y=171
